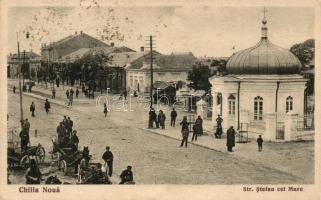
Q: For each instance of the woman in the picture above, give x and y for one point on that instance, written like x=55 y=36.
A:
x=105 y=109
x=33 y=175
x=184 y=131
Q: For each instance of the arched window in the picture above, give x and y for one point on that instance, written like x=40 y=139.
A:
x=258 y=108
x=231 y=105
x=289 y=104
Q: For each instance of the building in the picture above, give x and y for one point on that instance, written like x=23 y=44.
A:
x=69 y=44
x=166 y=68
x=263 y=92
x=29 y=60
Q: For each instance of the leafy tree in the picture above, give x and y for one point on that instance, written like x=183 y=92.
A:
x=198 y=77
x=304 y=51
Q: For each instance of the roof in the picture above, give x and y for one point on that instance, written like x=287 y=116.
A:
x=76 y=54
x=125 y=58
x=161 y=85
x=263 y=58
x=172 y=62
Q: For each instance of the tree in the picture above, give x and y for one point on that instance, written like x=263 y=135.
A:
x=198 y=77
x=304 y=51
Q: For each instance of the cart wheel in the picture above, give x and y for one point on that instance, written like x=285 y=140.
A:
x=24 y=162
x=40 y=155
x=63 y=166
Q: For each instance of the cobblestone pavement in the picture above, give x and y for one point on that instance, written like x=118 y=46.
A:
x=158 y=159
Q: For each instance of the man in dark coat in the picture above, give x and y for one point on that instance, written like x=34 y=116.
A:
x=24 y=140
x=77 y=93
x=259 y=143
x=33 y=175
x=108 y=157
x=173 y=117
x=47 y=106
x=184 y=131
x=161 y=119
x=219 y=130
x=127 y=176
x=32 y=109
x=14 y=89
x=230 y=139
x=74 y=140
x=70 y=124
x=60 y=132
x=67 y=94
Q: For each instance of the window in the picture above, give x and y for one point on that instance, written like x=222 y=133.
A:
x=289 y=104
x=258 y=108
x=231 y=105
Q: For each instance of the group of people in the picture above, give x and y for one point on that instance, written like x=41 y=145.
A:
x=67 y=137
x=159 y=119
x=185 y=130
x=70 y=95
x=33 y=107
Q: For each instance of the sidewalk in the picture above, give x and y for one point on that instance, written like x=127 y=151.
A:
x=275 y=155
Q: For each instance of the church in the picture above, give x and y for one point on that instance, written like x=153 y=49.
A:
x=262 y=91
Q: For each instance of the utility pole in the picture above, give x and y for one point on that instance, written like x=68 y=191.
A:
x=20 y=89
x=24 y=68
x=151 y=60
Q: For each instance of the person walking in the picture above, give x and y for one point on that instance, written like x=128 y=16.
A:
x=184 y=131
x=32 y=109
x=125 y=94
x=67 y=94
x=14 y=89
x=108 y=157
x=259 y=143
x=70 y=124
x=173 y=117
x=77 y=93
x=199 y=125
x=161 y=119
x=26 y=126
x=53 y=93
x=47 y=106
x=105 y=109
x=230 y=139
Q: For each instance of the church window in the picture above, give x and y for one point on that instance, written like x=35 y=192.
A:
x=258 y=108
x=289 y=104
x=231 y=105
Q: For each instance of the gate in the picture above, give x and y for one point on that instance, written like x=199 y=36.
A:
x=280 y=131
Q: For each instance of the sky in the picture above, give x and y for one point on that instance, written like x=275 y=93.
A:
x=204 y=30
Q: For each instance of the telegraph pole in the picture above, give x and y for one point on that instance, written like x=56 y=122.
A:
x=151 y=70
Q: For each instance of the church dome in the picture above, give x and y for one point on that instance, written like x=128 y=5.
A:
x=263 y=58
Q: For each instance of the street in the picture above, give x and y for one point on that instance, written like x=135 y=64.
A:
x=155 y=159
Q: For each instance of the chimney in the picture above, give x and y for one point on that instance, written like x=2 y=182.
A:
x=142 y=49
x=80 y=32
x=112 y=44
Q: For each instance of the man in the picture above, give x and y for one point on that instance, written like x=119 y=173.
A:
x=53 y=93
x=67 y=94
x=71 y=92
x=219 y=121
x=161 y=119
x=199 y=125
x=27 y=125
x=71 y=97
x=47 y=106
x=70 y=124
x=230 y=143
x=259 y=143
x=125 y=94
x=74 y=140
x=32 y=109
x=14 y=89
x=60 y=132
x=84 y=167
x=173 y=117
x=24 y=140
x=127 y=176
x=77 y=92
x=184 y=131
x=33 y=175
x=195 y=132
x=108 y=157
